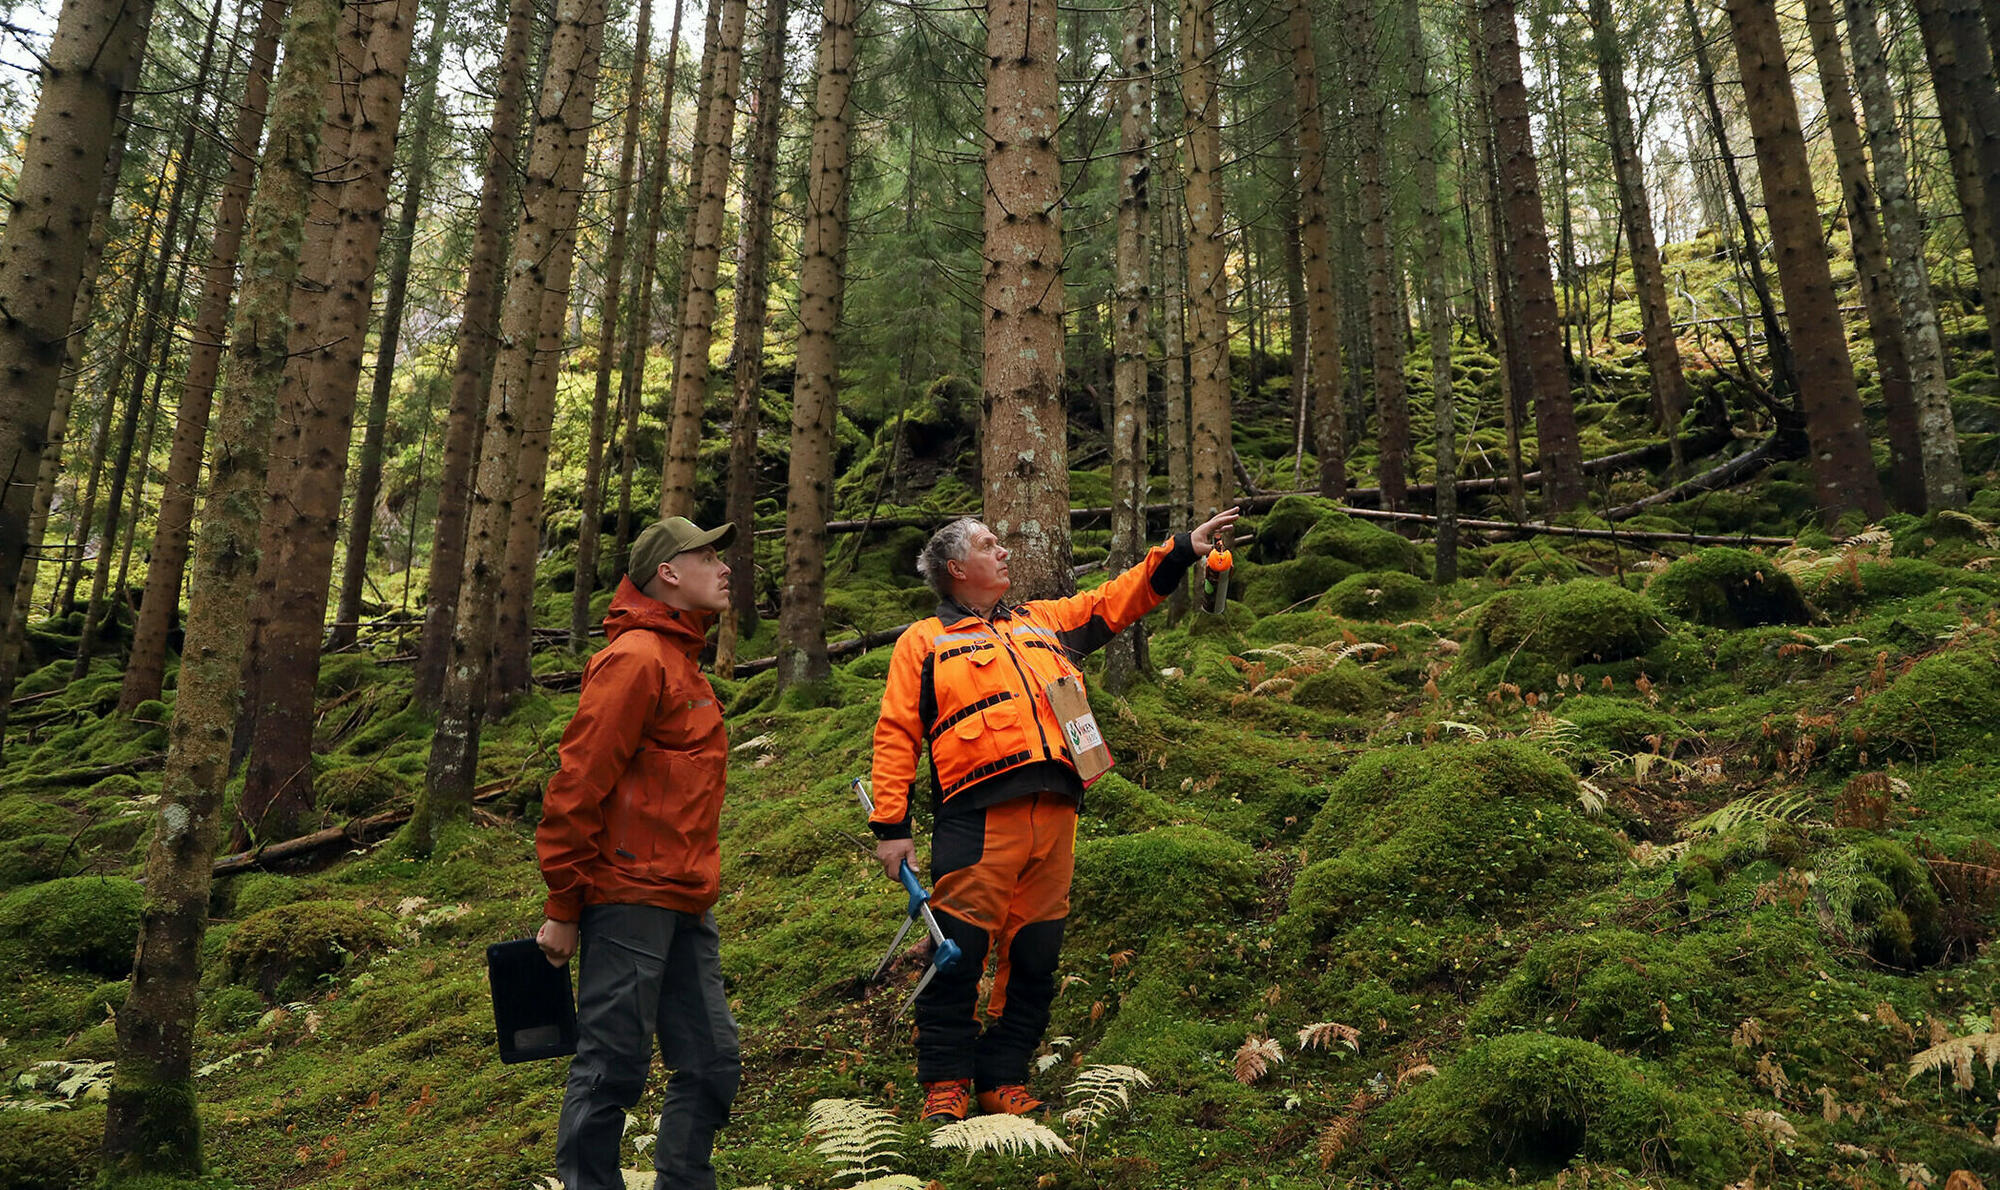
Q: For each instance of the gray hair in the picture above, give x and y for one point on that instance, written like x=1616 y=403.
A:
x=949 y=544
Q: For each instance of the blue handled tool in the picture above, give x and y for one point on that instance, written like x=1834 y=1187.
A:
x=945 y=952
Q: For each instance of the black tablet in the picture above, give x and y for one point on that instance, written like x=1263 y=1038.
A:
x=533 y=1010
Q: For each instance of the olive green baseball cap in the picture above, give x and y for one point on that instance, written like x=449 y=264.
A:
x=661 y=540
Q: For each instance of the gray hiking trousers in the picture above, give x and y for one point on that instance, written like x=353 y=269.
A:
x=644 y=971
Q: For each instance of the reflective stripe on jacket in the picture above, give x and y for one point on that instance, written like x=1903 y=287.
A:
x=972 y=688
x=631 y=816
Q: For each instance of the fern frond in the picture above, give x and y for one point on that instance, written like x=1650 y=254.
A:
x=894 y=1181
x=1959 y=1053
x=1746 y=811
x=1327 y=1034
x=1291 y=654
x=1590 y=797
x=1339 y=1136
x=1273 y=686
x=1770 y=1124
x=1558 y=737
x=1469 y=730
x=855 y=1137
x=1256 y=1056
x=999 y=1134
x=1099 y=1092
x=1356 y=648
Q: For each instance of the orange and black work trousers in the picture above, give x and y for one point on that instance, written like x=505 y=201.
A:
x=1000 y=877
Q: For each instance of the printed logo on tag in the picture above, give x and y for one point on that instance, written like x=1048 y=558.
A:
x=1083 y=734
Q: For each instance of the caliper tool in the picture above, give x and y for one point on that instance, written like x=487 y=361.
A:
x=945 y=952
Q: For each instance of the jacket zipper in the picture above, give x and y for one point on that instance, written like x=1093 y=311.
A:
x=1007 y=643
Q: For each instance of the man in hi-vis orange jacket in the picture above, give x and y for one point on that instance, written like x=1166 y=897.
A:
x=971 y=682
x=628 y=849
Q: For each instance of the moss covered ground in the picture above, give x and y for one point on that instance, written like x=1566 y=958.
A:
x=1616 y=868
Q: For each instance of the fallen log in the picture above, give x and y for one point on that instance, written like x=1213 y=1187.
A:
x=140 y=764
x=1741 y=469
x=358 y=832
x=1536 y=528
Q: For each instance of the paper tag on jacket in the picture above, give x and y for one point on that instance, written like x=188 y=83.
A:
x=1086 y=743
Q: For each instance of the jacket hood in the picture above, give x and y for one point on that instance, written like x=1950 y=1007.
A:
x=634 y=611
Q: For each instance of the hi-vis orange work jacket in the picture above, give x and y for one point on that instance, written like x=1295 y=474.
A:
x=973 y=690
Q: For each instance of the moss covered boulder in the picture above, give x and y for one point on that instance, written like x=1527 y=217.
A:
x=1384 y=595
x=356 y=789
x=1947 y=703
x=51 y=1150
x=1585 y=620
x=1729 y=588
x=284 y=952
x=1337 y=535
x=1531 y=1103
x=86 y=922
x=34 y=858
x=1611 y=986
x=1346 y=688
x=1280 y=585
x=1169 y=876
x=1459 y=828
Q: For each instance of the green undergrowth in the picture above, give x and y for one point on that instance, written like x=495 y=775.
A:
x=1612 y=867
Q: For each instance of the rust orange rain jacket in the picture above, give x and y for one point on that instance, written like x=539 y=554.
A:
x=972 y=690
x=630 y=818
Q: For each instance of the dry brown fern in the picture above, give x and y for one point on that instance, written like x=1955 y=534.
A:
x=1959 y=1053
x=1256 y=1056
x=1327 y=1034
x=1339 y=1135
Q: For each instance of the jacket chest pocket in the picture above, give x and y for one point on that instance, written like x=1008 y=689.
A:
x=665 y=811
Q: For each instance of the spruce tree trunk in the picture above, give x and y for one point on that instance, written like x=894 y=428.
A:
x=1207 y=278
x=1902 y=225
x=1871 y=262
x=1784 y=367
x=145 y=670
x=368 y=478
x=1316 y=261
x=155 y=345
x=590 y=525
x=1291 y=263
x=1385 y=335
x=815 y=389
x=1437 y=304
x=1173 y=306
x=152 y=1126
x=45 y=245
x=1507 y=341
x=704 y=257
x=537 y=276
x=1843 y=468
x=752 y=297
x=1962 y=75
x=1130 y=332
x=14 y=652
x=638 y=339
x=296 y=572
x=1527 y=262
x=477 y=342
x=1024 y=445
x=1656 y=320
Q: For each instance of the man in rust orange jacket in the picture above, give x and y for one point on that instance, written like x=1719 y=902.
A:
x=970 y=683
x=628 y=848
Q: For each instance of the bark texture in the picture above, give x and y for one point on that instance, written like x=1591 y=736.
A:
x=1527 y=262
x=704 y=257
x=802 y=654
x=1386 y=328
x=1315 y=258
x=1902 y=225
x=590 y=523
x=1962 y=76
x=46 y=241
x=152 y=1126
x=477 y=343
x=1207 y=279
x=145 y=669
x=553 y=176
x=1843 y=469
x=1131 y=300
x=753 y=292
x=1437 y=304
